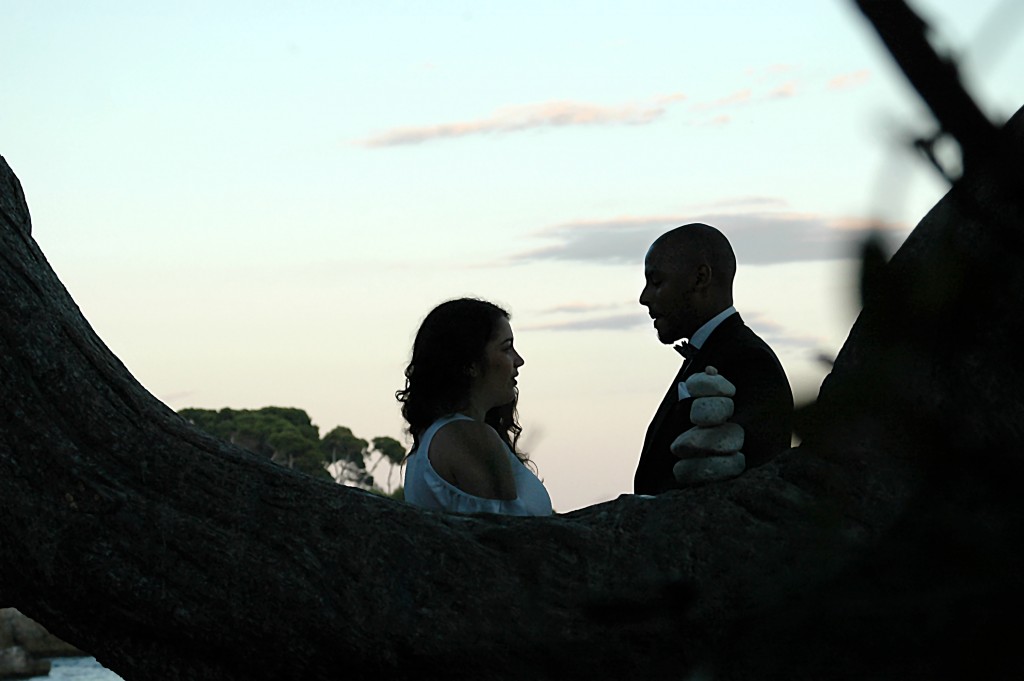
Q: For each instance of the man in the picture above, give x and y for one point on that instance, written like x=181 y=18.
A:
x=688 y=292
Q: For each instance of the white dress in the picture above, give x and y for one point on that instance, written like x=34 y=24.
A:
x=424 y=487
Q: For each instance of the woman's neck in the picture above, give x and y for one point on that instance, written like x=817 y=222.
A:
x=474 y=412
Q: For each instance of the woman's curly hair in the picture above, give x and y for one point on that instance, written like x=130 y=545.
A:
x=451 y=339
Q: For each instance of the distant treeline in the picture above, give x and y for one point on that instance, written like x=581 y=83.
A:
x=287 y=437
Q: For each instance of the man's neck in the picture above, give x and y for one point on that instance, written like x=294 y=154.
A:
x=701 y=334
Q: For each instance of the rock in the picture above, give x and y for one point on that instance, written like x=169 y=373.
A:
x=709 y=468
x=722 y=439
x=711 y=411
x=17 y=663
x=18 y=630
x=24 y=645
x=710 y=383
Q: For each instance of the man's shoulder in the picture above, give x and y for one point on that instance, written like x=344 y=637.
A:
x=734 y=334
x=739 y=350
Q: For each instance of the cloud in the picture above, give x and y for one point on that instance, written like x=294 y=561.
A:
x=529 y=117
x=612 y=322
x=776 y=335
x=601 y=316
x=762 y=77
x=631 y=316
x=768 y=88
x=758 y=237
x=578 y=308
x=559 y=114
x=847 y=81
x=740 y=97
x=784 y=91
x=616 y=241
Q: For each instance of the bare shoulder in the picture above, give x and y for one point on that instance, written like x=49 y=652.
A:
x=471 y=456
x=466 y=438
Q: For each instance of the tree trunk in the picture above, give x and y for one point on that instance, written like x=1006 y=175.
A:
x=886 y=546
x=170 y=554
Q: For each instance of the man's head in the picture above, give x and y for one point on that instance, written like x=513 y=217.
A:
x=688 y=272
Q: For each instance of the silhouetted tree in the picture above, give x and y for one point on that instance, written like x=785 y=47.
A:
x=285 y=435
x=341 y=444
x=388 y=449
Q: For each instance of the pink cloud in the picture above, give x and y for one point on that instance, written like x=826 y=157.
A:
x=740 y=97
x=578 y=308
x=760 y=236
x=528 y=117
x=784 y=91
x=611 y=322
x=849 y=80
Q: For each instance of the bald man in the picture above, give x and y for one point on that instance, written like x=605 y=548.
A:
x=688 y=292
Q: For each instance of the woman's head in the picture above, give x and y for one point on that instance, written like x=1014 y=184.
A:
x=463 y=347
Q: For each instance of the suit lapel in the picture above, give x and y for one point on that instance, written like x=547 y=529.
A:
x=669 y=401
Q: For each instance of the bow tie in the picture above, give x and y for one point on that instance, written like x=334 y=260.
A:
x=686 y=349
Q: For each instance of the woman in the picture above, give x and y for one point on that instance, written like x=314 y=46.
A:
x=460 y=403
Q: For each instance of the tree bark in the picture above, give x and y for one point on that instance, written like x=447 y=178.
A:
x=883 y=547
x=167 y=553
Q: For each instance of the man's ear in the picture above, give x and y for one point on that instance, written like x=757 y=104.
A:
x=473 y=371
x=702 y=276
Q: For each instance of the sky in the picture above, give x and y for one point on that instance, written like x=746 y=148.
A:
x=256 y=203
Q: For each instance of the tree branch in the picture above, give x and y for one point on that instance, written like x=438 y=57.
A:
x=936 y=79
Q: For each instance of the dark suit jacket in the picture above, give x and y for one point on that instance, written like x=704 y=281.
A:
x=763 y=401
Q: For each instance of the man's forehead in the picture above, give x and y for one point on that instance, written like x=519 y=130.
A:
x=663 y=257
